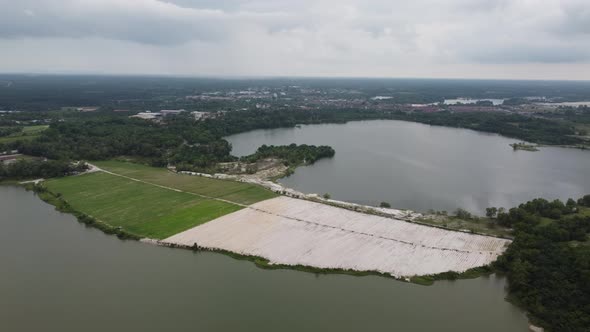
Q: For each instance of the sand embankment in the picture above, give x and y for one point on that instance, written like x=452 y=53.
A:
x=292 y=231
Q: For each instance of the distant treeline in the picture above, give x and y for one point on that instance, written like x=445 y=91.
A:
x=532 y=129
x=35 y=168
x=181 y=139
x=7 y=131
x=51 y=92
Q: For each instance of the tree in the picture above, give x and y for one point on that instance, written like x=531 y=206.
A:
x=571 y=203
x=555 y=213
x=327 y=196
x=491 y=212
x=571 y=206
x=547 y=268
x=463 y=214
x=584 y=201
x=385 y=205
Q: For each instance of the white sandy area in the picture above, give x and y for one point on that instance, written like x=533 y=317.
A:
x=291 y=231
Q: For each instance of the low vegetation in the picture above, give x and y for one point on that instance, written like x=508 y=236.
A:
x=241 y=193
x=524 y=147
x=463 y=220
x=138 y=208
x=165 y=204
x=385 y=205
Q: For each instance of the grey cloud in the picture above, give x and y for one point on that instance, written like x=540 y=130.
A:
x=576 y=19
x=531 y=54
x=145 y=21
x=155 y=22
x=332 y=36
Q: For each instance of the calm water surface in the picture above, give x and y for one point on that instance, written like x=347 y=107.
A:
x=422 y=167
x=58 y=275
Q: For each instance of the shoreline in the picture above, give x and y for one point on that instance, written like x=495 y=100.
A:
x=425 y=280
x=263 y=263
x=61 y=205
x=392 y=213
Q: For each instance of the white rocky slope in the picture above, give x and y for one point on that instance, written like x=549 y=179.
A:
x=291 y=231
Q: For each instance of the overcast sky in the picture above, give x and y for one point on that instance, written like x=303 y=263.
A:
x=532 y=39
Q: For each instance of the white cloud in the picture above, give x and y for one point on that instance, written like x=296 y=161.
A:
x=425 y=38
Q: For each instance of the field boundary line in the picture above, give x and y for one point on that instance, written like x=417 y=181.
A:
x=169 y=188
x=297 y=219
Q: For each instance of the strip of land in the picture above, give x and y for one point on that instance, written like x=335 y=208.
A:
x=290 y=231
x=170 y=204
x=249 y=220
x=232 y=191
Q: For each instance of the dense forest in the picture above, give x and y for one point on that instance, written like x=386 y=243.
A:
x=34 y=168
x=6 y=131
x=292 y=154
x=531 y=129
x=181 y=139
x=535 y=130
x=548 y=264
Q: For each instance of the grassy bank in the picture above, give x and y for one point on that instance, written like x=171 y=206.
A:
x=107 y=212
x=147 y=210
x=427 y=280
x=134 y=209
x=63 y=206
x=476 y=225
x=451 y=275
x=138 y=208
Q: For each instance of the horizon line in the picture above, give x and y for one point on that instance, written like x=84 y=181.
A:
x=271 y=77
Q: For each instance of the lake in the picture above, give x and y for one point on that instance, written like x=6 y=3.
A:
x=58 y=275
x=421 y=167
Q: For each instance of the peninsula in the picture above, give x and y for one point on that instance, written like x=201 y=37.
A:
x=246 y=219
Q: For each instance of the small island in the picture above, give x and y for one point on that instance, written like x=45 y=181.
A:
x=524 y=146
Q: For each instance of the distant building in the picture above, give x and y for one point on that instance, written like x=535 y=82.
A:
x=87 y=109
x=9 y=159
x=171 y=112
x=205 y=115
x=467 y=108
x=199 y=115
x=8 y=152
x=147 y=115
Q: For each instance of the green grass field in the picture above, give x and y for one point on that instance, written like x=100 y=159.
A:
x=28 y=133
x=241 y=193
x=34 y=129
x=147 y=210
x=138 y=208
